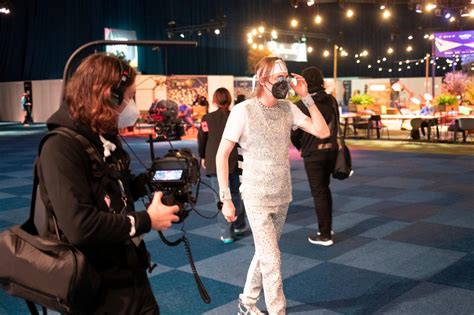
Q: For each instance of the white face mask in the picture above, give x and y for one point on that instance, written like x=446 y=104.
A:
x=129 y=115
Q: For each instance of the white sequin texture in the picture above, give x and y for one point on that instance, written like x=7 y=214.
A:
x=266 y=177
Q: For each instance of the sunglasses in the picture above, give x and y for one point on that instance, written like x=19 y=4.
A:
x=288 y=79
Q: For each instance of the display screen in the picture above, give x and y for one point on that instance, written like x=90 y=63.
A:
x=130 y=52
x=454 y=43
x=167 y=175
x=288 y=51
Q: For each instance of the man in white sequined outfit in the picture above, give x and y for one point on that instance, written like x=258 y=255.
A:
x=262 y=127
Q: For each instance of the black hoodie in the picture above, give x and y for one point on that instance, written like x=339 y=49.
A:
x=313 y=148
x=83 y=203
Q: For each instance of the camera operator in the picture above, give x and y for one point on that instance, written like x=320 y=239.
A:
x=95 y=212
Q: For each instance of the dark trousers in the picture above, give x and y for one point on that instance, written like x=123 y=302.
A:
x=227 y=228
x=28 y=111
x=319 y=172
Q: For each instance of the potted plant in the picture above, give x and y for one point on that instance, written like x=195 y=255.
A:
x=362 y=102
x=446 y=101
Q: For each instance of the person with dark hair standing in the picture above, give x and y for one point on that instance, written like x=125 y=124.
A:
x=27 y=107
x=94 y=204
x=319 y=155
x=209 y=137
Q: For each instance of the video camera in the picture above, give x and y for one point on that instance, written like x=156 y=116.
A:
x=175 y=174
x=164 y=114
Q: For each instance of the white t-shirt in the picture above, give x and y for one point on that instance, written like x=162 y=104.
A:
x=236 y=129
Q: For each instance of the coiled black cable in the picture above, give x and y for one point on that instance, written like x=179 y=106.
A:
x=202 y=290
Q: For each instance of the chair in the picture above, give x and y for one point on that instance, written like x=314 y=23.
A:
x=375 y=122
x=415 y=124
x=466 y=125
x=359 y=123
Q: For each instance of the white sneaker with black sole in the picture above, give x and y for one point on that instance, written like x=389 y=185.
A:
x=319 y=240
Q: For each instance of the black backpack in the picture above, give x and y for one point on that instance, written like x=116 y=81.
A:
x=42 y=270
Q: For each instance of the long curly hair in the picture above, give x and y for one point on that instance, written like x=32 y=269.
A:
x=88 y=92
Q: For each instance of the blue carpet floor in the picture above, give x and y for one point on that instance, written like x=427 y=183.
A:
x=404 y=241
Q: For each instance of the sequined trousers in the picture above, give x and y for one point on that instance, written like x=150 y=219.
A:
x=265 y=268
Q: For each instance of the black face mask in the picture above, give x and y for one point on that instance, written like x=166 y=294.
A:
x=280 y=89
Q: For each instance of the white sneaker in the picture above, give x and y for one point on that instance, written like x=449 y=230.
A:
x=248 y=309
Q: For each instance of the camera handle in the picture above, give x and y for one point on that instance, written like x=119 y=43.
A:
x=202 y=290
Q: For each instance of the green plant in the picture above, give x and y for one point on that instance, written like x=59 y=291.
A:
x=362 y=99
x=446 y=99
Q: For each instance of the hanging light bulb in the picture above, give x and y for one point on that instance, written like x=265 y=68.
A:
x=349 y=13
x=294 y=23
x=274 y=34
x=318 y=19
x=390 y=50
x=386 y=14
x=310 y=49
x=326 y=53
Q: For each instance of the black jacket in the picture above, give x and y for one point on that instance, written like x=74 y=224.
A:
x=209 y=138
x=313 y=148
x=80 y=201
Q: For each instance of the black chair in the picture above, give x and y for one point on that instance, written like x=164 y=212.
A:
x=375 y=123
x=466 y=125
x=429 y=124
x=415 y=124
x=359 y=123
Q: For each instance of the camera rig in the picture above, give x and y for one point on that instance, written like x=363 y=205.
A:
x=164 y=115
x=175 y=174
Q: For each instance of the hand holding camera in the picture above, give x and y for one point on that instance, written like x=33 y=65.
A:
x=161 y=216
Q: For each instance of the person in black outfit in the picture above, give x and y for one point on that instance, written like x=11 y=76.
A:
x=319 y=155
x=209 y=137
x=94 y=205
x=27 y=107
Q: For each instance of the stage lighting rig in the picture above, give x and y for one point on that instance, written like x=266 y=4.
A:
x=214 y=26
x=5 y=7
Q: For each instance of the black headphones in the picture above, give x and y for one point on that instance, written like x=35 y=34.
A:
x=117 y=92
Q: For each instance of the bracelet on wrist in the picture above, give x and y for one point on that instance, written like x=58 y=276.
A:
x=224 y=194
x=308 y=100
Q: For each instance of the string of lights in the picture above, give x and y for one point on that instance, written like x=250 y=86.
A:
x=391 y=58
